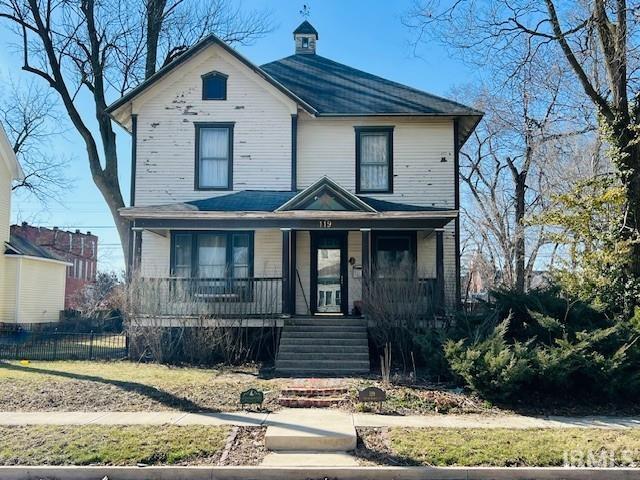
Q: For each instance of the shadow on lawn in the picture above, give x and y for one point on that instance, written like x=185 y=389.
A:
x=165 y=398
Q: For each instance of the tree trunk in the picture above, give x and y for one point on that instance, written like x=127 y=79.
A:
x=519 y=244
x=155 y=11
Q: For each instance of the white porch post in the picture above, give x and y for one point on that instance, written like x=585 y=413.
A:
x=286 y=271
x=440 y=267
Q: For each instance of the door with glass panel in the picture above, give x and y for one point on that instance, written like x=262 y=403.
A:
x=328 y=263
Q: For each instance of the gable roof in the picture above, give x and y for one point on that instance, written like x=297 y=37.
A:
x=207 y=41
x=345 y=198
x=9 y=157
x=21 y=246
x=305 y=28
x=335 y=89
x=323 y=87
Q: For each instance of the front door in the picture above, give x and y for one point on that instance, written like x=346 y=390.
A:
x=328 y=272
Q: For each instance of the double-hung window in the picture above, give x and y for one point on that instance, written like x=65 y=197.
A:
x=214 y=156
x=221 y=263
x=374 y=159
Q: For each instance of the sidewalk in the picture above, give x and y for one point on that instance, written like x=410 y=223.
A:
x=290 y=415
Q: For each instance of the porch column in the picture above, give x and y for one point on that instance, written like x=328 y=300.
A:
x=440 y=268
x=136 y=250
x=286 y=270
x=366 y=253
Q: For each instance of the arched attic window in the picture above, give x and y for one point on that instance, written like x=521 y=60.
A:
x=214 y=86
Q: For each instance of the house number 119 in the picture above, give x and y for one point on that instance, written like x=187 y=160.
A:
x=325 y=223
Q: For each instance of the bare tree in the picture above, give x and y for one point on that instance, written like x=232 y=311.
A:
x=599 y=44
x=103 y=48
x=31 y=123
x=528 y=124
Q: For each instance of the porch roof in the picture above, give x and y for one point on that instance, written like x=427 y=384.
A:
x=258 y=201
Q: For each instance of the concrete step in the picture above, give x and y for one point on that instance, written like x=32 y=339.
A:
x=340 y=322
x=326 y=334
x=326 y=349
x=310 y=430
x=314 y=356
x=309 y=459
x=328 y=328
x=318 y=341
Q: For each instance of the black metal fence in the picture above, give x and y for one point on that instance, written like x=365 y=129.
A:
x=55 y=345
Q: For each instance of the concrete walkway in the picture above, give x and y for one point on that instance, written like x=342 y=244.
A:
x=294 y=417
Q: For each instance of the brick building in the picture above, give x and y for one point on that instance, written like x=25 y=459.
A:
x=79 y=249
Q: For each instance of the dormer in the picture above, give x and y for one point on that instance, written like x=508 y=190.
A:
x=306 y=37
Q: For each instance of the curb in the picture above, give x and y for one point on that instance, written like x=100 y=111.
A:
x=309 y=473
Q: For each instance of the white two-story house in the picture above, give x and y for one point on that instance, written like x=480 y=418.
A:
x=277 y=190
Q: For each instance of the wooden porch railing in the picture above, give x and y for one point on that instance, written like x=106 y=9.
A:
x=239 y=298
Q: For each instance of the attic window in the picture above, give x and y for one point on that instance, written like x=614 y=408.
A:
x=214 y=86
x=305 y=42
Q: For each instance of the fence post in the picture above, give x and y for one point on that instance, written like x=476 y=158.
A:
x=126 y=345
x=91 y=346
x=55 y=344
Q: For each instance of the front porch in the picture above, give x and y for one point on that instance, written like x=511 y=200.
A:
x=289 y=272
x=262 y=256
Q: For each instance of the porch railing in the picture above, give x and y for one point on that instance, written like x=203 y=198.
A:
x=238 y=298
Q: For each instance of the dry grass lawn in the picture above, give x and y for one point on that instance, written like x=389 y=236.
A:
x=125 y=386
x=111 y=445
x=128 y=386
x=514 y=448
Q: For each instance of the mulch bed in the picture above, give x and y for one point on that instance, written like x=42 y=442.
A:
x=245 y=446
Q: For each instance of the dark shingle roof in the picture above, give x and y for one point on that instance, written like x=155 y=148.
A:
x=385 y=206
x=333 y=88
x=25 y=247
x=244 y=201
x=305 y=28
x=336 y=89
x=269 y=200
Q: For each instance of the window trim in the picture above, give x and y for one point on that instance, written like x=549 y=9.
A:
x=216 y=74
x=203 y=125
x=413 y=244
x=194 y=249
x=375 y=129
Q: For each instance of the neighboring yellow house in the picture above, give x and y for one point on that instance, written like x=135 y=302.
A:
x=32 y=281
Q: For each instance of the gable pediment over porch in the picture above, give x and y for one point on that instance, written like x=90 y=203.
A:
x=326 y=195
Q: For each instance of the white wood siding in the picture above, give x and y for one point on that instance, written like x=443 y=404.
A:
x=166 y=133
x=42 y=285
x=7 y=275
x=8 y=289
x=328 y=146
x=155 y=255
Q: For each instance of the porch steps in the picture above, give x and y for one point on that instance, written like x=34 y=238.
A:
x=325 y=346
x=314 y=396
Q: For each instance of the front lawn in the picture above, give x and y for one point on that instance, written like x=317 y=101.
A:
x=111 y=445
x=128 y=386
x=501 y=447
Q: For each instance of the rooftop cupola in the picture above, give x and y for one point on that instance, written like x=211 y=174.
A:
x=306 y=37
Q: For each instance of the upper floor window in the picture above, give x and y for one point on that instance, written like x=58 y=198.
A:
x=214 y=156
x=214 y=86
x=374 y=159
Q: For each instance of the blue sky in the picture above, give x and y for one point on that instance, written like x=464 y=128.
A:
x=366 y=35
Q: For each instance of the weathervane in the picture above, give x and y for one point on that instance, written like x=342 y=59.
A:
x=305 y=11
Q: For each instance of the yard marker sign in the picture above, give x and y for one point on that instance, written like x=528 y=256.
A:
x=251 y=397
x=372 y=394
